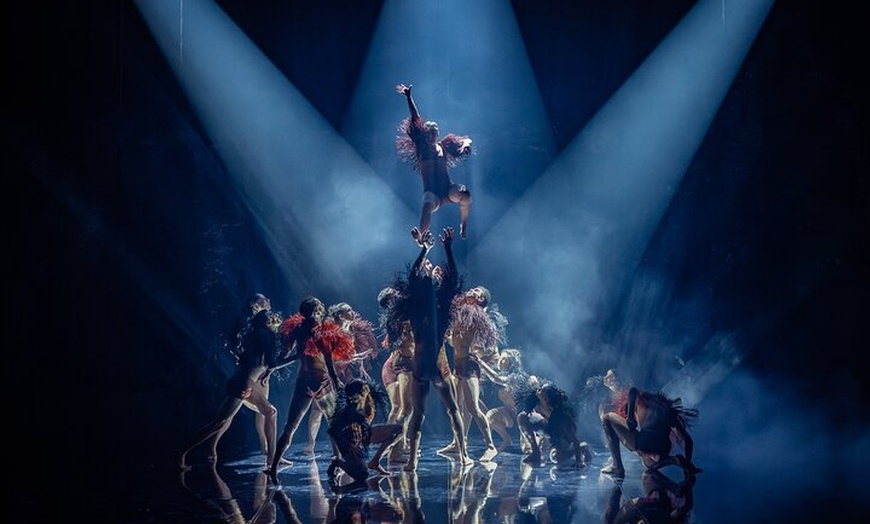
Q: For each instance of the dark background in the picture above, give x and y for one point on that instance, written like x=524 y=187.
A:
x=109 y=173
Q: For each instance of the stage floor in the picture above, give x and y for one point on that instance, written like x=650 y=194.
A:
x=504 y=490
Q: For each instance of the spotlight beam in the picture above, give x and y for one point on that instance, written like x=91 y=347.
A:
x=613 y=183
x=315 y=199
x=471 y=73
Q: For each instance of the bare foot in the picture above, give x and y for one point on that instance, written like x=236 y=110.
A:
x=465 y=460
x=376 y=466
x=489 y=454
x=282 y=462
x=449 y=448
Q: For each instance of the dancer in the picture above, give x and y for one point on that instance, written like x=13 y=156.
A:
x=256 y=354
x=511 y=378
x=352 y=431
x=430 y=296
x=396 y=370
x=471 y=330
x=418 y=144
x=364 y=347
x=365 y=342
x=316 y=343
x=554 y=416
x=235 y=345
x=647 y=428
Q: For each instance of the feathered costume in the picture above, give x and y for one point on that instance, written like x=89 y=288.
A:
x=411 y=135
x=394 y=312
x=325 y=337
x=471 y=318
x=363 y=333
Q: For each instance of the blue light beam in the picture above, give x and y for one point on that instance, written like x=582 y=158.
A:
x=579 y=233
x=314 y=198
x=471 y=74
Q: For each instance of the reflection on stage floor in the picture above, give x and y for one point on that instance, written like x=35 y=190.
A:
x=504 y=490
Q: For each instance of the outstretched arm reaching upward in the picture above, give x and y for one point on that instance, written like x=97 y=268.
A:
x=402 y=89
x=446 y=239
x=425 y=241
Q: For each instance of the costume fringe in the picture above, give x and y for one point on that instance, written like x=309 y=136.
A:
x=330 y=335
x=451 y=144
x=473 y=318
x=363 y=333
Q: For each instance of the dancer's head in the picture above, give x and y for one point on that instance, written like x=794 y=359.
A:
x=478 y=295
x=386 y=296
x=259 y=302
x=341 y=312
x=430 y=127
x=356 y=388
x=509 y=360
x=551 y=395
x=312 y=308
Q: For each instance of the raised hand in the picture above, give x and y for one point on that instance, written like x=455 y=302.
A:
x=402 y=89
x=427 y=238
x=447 y=236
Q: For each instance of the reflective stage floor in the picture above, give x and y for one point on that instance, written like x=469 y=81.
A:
x=503 y=491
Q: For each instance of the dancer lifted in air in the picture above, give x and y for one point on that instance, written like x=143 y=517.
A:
x=418 y=144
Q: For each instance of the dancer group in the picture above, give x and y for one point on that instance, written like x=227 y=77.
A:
x=424 y=312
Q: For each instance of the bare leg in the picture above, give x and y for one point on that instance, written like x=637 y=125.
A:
x=615 y=430
x=426 y=211
x=395 y=402
x=214 y=430
x=387 y=435
x=453 y=447
x=447 y=392
x=498 y=421
x=267 y=420
x=471 y=387
x=419 y=393
x=260 y=426
x=524 y=422
x=299 y=405
x=406 y=407
x=315 y=417
x=460 y=195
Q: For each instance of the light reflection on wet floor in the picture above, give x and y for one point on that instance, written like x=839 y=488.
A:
x=505 y=490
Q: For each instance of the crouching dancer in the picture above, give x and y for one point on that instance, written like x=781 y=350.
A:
x=352 y=431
